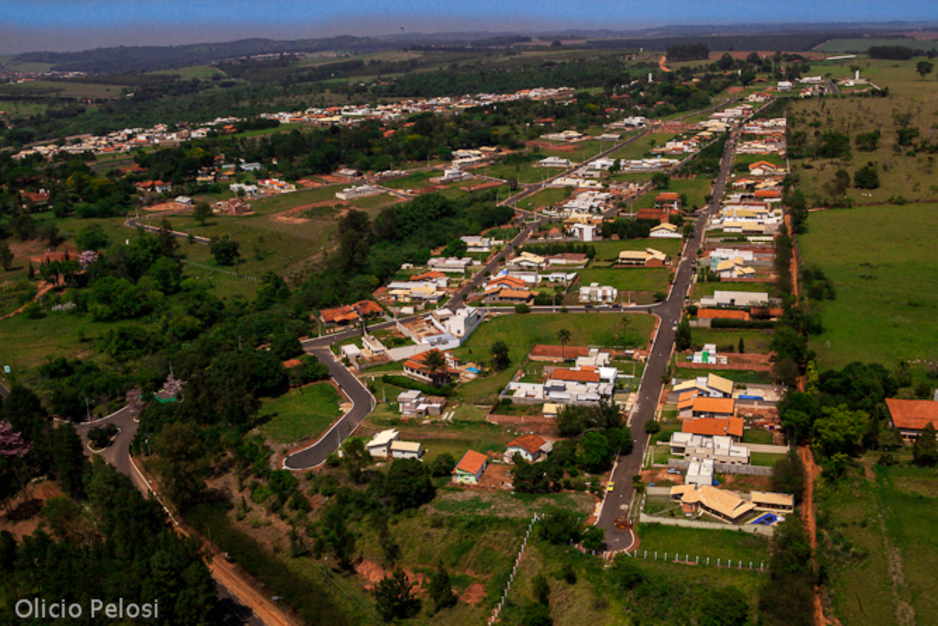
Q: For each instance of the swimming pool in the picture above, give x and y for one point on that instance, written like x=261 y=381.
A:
x=474 y=370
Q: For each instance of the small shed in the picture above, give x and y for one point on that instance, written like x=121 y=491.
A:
x=406 y=449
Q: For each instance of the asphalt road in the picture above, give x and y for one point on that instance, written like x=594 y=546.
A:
x=618 y=501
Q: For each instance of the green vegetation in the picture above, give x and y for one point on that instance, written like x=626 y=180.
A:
x=609 y=250
x=885 y=277
x=694 y=190
x=652 y=280
x=707 y=289
x=722 y=544
x=300 y=413
x=756 y=341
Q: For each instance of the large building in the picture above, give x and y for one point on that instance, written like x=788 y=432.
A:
x=911 y=416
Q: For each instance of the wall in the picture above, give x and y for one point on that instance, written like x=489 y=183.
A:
x=723 y=468
x=765 y=531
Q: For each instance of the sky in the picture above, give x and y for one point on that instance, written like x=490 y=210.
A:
x=81 y=24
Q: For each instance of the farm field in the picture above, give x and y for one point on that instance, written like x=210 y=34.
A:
x=521 y=332
x=877 y=531
x=609 y=250
x=299 y=413
x=882 y=263
x=629 y=279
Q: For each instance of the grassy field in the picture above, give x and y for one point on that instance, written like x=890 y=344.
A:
x=525 y=173
x=642 y=147
x=609 y=250
x=757 y=341
x=521 y=332
x=629 y=279
x=545 y=197
x=884 y=311
x=707 y=289
x=722 y=544
x=743 y=377
x=878 y=535
x=696 y=190
x=582 y=150
x=299 y=413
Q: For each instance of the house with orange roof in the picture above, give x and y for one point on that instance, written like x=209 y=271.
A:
x=911 y=416
x=340 y=315
x=668 y=200
x=470 y=468
x=721 y=314
x=367 y=308
x=715 y=426
x=531 y=448
x=416 y=367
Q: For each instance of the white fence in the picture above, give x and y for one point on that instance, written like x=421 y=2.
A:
x=514 y=572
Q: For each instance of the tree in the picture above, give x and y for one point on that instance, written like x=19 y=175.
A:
x=6 y=256
x=624 y=572
x=500 y=358
x=726 y=606
x=395 y=598
x=435 y=363
x=440 y=589
x=92 y=237
x=225 y=251
x=563 y=336
x=682 y=338
x=407 y=484
x=788 y=476
x=560 y=527
x=840 y=430
x=866 y=177
x=742 y=346
x=593 y=538
x=355 y=458
x=181 y=463
x=594 y=453
x=540 y=588
x=925 y=448
x=924 y=68
x=68 y=456
x=661 y=180
x=201 y=212
x=442 y=465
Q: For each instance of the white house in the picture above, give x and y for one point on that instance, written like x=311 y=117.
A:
x=734 y=299
x=380 y=444
x=665 y=231
x=530 y=447
x=553 y=161
x=594 y=292
x=359 y=191
x=406 y=450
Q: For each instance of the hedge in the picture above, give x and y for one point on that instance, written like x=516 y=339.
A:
x=753 y=324
x=410 y=383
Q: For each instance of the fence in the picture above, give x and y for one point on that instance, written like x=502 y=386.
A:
x=720 y=562
x=726 y=468
x=755 y=529
x=514 y=571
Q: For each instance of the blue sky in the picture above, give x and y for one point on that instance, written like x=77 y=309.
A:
x=71 y=24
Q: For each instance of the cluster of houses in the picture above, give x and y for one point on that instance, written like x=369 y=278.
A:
x=590 y=380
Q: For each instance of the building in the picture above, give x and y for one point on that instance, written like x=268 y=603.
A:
x=450 y=265
x=715 y=426
x=911 y=416
x=339 y=316
x=530 y=447
x=734 y=268
x=596 y=293
x=478 y=244
x=413 y=404
x=649 y=257
x=668 y=200
x=665 y=230
x=406 y=450
x=380 y=444
x=774 y=502
x=528 y=260
x=470 y=468
x=719 y=448
x=711 y=385
x=506 y=295
x=724 y=505
x=707 y=355
x=415 y=367
x=742 y=299
x=700 y=473
x=553 y=161
x=359 y=191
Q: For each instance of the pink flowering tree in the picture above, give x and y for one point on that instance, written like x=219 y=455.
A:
x=86 y=258
x=135 y=399
x=173 y=386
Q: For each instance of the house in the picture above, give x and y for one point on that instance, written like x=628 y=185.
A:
x=351 y=351
x=712 y=386
x=719 y=448
x=347 y=173
x=775 y=502
x=721 y=504
x=470 y=468
x=553 y=161
x=528 y=260
x=584 y=232
x=742 y=299
x=359 y=191
x=339 y=315
x=700 y=472
x=415 y=367
x=734 y=268
x=507 y=295
x=440 y=279
x=250 y=167
x=530 y=447
x=185 y=201
x=406 y=450
x=413 y=404
x=567 y=258
x=911 y=416
x=715 y=426
x=665 y=230
x=649 y=257
x=380 y=444
x=450 y=265
x=367 y=308
x=478 y=244
x=668 y=200
x=784 y=85
x=762 y=168
x=596 y=293
x=154 y=185
x=708 y=355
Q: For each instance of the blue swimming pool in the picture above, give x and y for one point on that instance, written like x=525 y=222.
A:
x=768 y=519
x=474 y=370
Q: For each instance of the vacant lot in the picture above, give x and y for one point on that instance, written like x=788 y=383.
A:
x=707 y=289
x=756 y=341
x=579 y=151
x=299 y=413
x=882 y=262
x=609 y=250
x=653 y=280
x=880 y=542
x=696 y=189
x=641 y=148
x=716 y=544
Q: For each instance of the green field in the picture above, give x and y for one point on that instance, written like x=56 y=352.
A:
x=878 y=535
x=525 y=173
x=609 y=250
x=708 y=289
x=521 y=332
x=629 y=279
x=641 y=148
x=722 y=544
x=696 y=190
x=882 y=263
x=305 y=412
x=756 y=341
x=582 y=150
x=545 y=197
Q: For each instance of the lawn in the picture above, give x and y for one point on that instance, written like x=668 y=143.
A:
x=737 y=376
x=761 y=437
x=878 y=536
x=707 y=289
x=882 y=263
x=755 y=341
x=522 y=332
x=696 y=190
x=641 y=148
x=378 y=201
x=629 y=279
x=412 y=181
x=525 y=173
x=305 y=412
x=545 y=197
x=582 y=150
x=765 y=459
x=716 y=544
x=284 y=201
x=609 y=250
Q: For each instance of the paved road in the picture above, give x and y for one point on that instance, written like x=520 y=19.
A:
x=118 y=455
x=364 y=402
x=617 y=502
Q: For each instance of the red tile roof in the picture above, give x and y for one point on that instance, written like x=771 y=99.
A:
x=714 y=426
x=471 y=462
x=529 y=443
x=580 y=376
x=713 y=314
x=714 y=405
x=340 y=314
x=367 y=307
x=912 y=414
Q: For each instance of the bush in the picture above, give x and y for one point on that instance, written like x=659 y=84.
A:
x=522 y=308
x=753 y=324
x=100 y=436
x=410 y=383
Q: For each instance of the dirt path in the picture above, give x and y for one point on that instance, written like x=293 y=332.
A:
x=812 y=471
x=661 y=62
x=44 y=288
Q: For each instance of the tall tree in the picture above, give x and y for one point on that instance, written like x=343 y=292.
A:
x=441 y=589
x=925 y=448
x=500 y=358
x=201 y=212
x=6 y=256
x=395 y=598
x=435 y=362
x=181 y=463
x=69 y=459
x=563 y=336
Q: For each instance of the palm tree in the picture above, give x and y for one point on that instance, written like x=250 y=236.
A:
x=435 y=362
x=563 y=335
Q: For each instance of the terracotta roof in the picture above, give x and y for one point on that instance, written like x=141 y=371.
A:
x=367 y=307
x=912 y=414
x=558 y=352
x=726 y=503
x=507 y=280
x=714 y=426
x=668 y=195
x=340 y=314
x=712 y=314
x=471 y=462
x=581 y=376
x=515 y=293
x=686 y=400
x=427 y=275
x=530 y=443
x=768 y=193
